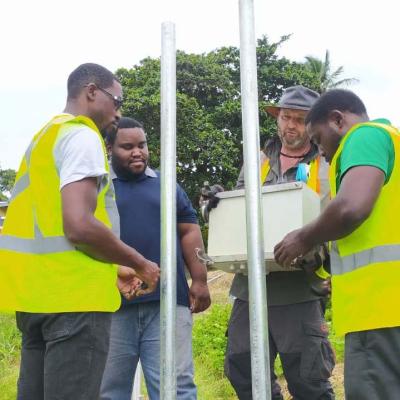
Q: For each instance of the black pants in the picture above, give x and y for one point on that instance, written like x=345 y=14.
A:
x=372 y=365
x=298 y=333
x=63 y=355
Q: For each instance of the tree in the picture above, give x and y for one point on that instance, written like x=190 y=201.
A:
x=209 y=129
x=7 y=178
x=322 y=70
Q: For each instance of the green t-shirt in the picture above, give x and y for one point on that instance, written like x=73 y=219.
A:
x=368 y=145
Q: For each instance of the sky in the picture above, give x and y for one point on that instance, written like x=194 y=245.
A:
x=42 y=41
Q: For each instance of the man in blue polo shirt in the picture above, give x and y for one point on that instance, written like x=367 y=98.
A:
x=135 y=331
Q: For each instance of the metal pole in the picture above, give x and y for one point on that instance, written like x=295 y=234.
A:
x=168 y=213
x=260 y=371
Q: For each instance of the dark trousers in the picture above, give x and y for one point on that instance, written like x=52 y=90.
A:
x=372 y=365
x=298 y=333
x=63 y=355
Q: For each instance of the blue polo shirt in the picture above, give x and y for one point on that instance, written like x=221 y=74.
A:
x=138 y=204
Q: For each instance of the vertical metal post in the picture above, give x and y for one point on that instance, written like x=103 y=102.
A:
x=168 y=213
x=260 y=371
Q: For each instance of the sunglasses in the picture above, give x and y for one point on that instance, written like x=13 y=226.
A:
x=116 y=99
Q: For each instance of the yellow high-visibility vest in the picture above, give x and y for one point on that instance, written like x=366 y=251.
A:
x=40 y=270
x=314 y=179
x=365 y=265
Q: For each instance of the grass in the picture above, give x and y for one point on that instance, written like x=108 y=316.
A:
x=209 y=343
x=9 y=357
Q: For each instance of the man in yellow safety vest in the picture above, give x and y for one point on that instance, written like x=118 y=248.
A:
x=58 y=250
x=362 y=222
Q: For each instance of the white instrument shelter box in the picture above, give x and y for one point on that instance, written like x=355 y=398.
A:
x=285 y=207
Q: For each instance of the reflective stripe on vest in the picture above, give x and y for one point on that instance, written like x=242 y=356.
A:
x=379 y=254
x=38 y=245
x=366 y=264
x=20 y=186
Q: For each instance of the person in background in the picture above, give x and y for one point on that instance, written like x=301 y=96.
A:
x=297 y=329
x=135 y=332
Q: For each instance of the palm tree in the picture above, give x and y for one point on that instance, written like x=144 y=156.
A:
x=326 y=78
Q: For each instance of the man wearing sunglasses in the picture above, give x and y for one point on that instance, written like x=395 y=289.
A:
x=59 y=246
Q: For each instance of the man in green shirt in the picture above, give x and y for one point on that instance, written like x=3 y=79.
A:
x=361 y=221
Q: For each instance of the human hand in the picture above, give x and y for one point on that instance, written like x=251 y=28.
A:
x=312 y=260
x=199 y=297
x=149 y=273
x=209 y=199
x=290 y=248
x=127 y=282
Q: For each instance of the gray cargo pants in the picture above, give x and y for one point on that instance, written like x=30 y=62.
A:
x=298 y=333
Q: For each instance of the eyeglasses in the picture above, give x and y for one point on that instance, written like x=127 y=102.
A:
x=116 y=99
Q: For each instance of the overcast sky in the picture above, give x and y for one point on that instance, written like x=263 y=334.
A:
x=42 y=41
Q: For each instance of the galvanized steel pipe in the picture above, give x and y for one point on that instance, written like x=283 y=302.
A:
x=168 y=213
x=260 y=370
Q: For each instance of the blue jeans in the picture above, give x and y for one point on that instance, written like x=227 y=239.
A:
x=135 y=334
x=63 y=355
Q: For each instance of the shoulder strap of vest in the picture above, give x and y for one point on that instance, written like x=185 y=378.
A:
x=313 y=181
x=265 y=168
x=388 y=128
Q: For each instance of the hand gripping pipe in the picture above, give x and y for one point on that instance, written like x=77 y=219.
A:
x=260 y=371
x=168 y=213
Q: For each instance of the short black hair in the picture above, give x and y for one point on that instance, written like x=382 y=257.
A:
x=335 y=99
x=124 y=123
x=89 y=73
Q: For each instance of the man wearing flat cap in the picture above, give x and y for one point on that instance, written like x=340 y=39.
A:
x=297 y=329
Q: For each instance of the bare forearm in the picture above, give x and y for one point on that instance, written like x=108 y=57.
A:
x=91 y=236
x=190 y=241
x=96 y=240
x=354 y=203
x=334 y=223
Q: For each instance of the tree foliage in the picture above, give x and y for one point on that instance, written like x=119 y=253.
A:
x=209 y=132
x=7 y=178
x=327 y=78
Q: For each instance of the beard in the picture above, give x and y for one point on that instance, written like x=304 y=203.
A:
x=125 y=173
x=293 y=143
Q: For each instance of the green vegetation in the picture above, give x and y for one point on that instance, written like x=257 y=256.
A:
x=209 y=121
x=9 y=357
x=209 y=343
x=7 y=178
x=327 y=78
